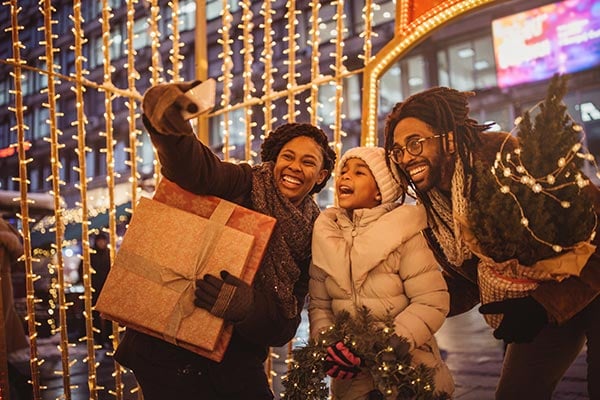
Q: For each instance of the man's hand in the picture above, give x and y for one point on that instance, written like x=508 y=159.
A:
x=523 y=319
x=162 y=105
x=229 y=297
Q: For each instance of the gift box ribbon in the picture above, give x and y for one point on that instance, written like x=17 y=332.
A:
x=183 y=283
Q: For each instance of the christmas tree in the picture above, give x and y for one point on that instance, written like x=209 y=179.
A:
x=529 y=205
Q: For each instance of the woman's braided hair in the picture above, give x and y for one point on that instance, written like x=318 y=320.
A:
x=273 y=144
x=444 y=110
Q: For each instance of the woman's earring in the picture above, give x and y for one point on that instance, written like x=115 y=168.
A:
x=378 y=197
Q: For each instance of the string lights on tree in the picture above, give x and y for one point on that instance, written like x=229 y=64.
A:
x=529 y=205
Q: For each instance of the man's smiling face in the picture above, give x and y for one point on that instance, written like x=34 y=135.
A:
x=433 y=167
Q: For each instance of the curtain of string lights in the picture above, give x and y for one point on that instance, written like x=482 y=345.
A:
x=414 y=19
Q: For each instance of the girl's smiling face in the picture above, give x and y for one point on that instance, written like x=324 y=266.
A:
x=356 y=187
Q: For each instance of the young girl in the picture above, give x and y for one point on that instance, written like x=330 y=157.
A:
x=369 y=251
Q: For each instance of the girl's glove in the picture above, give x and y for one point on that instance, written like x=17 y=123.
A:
x=523 y=319
x=229 y=297
x=162 y=105
x=341 y=362
x=339 y=371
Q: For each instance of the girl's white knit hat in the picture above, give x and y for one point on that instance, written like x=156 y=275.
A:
x=387 y=183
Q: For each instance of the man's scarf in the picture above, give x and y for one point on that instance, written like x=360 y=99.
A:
x=446 y=214
x=290 y=242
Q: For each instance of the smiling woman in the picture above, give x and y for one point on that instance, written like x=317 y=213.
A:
x=296 y=162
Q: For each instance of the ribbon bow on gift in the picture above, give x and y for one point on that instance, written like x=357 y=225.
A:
x=184 y=283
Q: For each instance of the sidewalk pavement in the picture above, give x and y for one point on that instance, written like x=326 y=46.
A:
x=475 y=358
x=471 y=352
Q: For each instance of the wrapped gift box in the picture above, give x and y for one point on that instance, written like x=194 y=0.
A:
x=151 y=283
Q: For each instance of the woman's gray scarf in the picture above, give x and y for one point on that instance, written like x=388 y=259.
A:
x=290 y=242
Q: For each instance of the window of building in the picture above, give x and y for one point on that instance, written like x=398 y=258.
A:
x=91 y=9
x=214 y=8
x=237 y=130
x=383 y=11
x=328 y=25
x=34 y=179
x=92 y=50
x=5 y=134
x=73 y=173
x=47 y=172
x=468 y=65
x=5 y=86
x=187 y=15
x=406 y=77
x=90 y=164
x=29 y=123
x=41 y=128
x=67 y=62
x=141 y=36
x=117 y=42
x=63 y=171
x=121 y=156
x=326 y=106
x=146 y=154
x=65 y=24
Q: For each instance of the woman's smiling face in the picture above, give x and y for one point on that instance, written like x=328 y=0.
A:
x=298 y=168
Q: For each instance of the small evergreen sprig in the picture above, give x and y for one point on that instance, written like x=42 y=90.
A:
x=385 y=356
x=529 y=205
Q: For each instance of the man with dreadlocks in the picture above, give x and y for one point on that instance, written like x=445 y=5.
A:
x=434 y=144
x=297 y=161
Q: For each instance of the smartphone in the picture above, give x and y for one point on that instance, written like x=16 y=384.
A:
x=203 y=96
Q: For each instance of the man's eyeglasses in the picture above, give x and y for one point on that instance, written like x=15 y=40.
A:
x=414 y=147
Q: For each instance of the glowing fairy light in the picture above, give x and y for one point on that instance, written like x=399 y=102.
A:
x=111 y=173
x=132 y=77
x=58 y=288
x=314 y=33
x=20 y=129
x=267 y=59
x=175 y=55
x=248 y=87
x=226 y=75
x=291 y=75
x=512 y=167
x=339 y=69
x=81 y=151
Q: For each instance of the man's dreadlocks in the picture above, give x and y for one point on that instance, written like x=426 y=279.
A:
x=443 y=110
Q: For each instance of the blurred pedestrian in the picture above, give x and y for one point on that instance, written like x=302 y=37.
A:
x=10 y=251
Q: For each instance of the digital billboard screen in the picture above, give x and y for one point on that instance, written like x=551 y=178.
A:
x=534 y=45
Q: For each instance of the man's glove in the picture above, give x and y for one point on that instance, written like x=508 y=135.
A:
x=523 y=319
x=341 y=362
x=162 y=105
x=229 y=297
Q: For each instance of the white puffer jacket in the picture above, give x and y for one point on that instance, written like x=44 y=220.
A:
x=380 y=260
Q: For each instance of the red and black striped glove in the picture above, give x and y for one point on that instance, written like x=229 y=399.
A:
x=341 y=362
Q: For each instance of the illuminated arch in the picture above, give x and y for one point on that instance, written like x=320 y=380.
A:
x=404 y=39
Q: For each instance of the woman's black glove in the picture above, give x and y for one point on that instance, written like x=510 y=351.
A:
x=162 y=105
x=523 y=319
x=229 y=297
